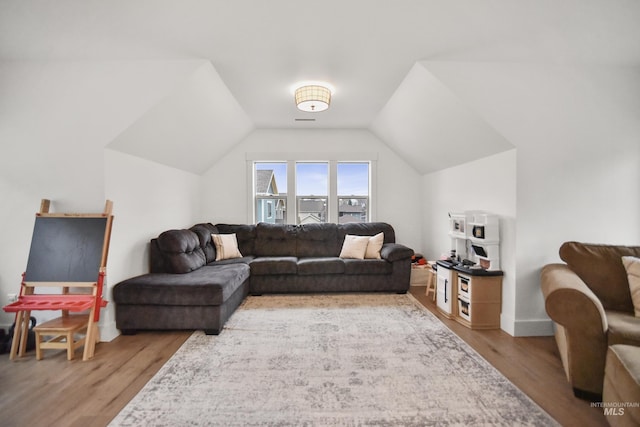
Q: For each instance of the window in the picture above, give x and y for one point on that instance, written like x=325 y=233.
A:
x=353 y=192
x=270 y=184
x=312 y=191
x=303 y=192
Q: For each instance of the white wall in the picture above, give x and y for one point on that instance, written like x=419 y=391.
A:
x=398 y=195
x=579 y=175
x=576 y=132
x=148 y=198
x=575 y=129
x=197 y=123
x=423 y=112
x=56 y=117
x=487 y=184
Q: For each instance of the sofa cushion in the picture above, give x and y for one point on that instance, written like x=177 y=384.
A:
x=226 y=246
x=317 y=240
x=367 y=266
x=632 y=266
x=275 y=240
x=204 y=232
x=327 y=265
x=622 y=385
x=243 y=260
x=267 y=266
x=245 y=234
x=624 y=328
x=366 y=229
x=181 y=249
x=208 y=285
x=600 y=268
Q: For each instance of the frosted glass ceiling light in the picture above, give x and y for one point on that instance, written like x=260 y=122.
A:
x=313 y=98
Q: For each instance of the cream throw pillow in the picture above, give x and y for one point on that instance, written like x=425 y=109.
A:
x=226 y=246
x=354 y=246
x=632 y=265
x=374 y=246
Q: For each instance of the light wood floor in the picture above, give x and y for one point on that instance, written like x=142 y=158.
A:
x=532 y=363
x=57 y=392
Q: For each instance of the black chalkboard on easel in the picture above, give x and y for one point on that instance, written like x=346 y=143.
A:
x=66 y=249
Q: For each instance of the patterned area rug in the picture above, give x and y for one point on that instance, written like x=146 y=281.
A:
x=330 y=360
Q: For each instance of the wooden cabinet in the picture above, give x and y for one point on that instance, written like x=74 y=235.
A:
x=479 y=301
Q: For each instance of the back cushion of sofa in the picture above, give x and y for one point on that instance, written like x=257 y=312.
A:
x=157 y=261
x=204 y=232
x=317 y=240
x=366 y=229
x=181 y=250
x=275 y=239
x=600 y=268
x=245 y=234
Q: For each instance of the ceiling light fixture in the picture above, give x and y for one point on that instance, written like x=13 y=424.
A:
x=313 y=98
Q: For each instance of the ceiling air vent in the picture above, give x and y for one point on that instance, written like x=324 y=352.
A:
x=305 y=120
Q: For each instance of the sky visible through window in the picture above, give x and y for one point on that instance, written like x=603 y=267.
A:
x=353 y=179
x=312 y=178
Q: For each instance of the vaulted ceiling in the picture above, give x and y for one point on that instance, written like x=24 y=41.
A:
x=377 y=55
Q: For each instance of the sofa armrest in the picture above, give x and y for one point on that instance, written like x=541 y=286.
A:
x=570 y=302
x=394 y=252
x=582 y=331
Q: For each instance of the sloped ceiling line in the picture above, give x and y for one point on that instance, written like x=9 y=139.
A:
x=200 y=121
x=426 y=124
x=191 y=128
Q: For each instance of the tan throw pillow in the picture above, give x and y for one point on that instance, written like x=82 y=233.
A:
x=374 y=246
x=354 y=246
x=632 y=265
x=226 y=246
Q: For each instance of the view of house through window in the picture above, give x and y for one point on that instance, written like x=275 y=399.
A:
x=271 y=192
x=353 y=192
x=330 y=191
x=312 y=192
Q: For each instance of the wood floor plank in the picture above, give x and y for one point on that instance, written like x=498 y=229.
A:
x=57 y=392
x=532 y=363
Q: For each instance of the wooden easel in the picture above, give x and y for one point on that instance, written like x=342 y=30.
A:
x=68 y=251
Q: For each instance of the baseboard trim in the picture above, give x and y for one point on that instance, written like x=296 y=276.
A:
x=527 y=327
x=108 y=331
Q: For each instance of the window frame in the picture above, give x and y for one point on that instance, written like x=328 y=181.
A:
x=332 y=198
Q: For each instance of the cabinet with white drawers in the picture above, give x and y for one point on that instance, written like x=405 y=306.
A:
x=479 y=300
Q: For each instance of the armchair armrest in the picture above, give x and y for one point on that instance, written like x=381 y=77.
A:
x=581 y=331
x=570 y=302
x=394 y=252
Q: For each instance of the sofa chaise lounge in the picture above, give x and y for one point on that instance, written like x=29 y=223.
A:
x=191 y=286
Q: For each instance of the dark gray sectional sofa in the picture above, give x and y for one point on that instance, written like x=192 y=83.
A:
x=187 y=289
